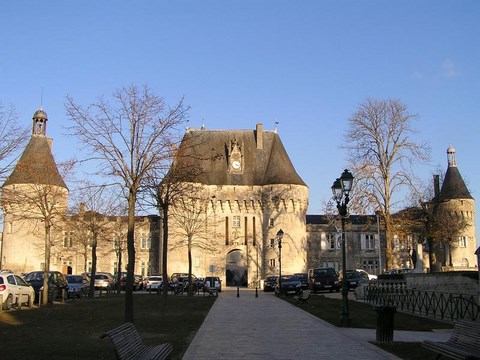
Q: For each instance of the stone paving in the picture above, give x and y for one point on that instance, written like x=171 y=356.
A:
x=265 y=327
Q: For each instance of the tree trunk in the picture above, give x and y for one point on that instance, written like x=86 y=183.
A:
x=91 y=293
x=388 y=243
x=119 y=267
x=46 y=270
x=190 y=285
x=131 y=257
x=430 y=255
x=166 y=284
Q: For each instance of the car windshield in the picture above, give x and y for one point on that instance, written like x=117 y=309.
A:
x=352 y=275
x=101 y=277
x=324 y=272
x=34 y=276
x=155 y=278
x=290 y=278
x=271 y=278
x=74 y=279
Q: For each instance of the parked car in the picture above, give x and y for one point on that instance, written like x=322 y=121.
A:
x=179 y=282
x=104 y=281
x=288 y=284
x=399 y=271
x=269 y=283
x=324 y=278
x=78 y=285
x=354 y=278
x=138 y=282
x=154 y=282
x=57 y=284
x=303 y=279
x=212 y=282
x=14 y=289
x=371 y=277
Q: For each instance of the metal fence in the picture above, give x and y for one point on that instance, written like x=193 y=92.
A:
x=445 y=306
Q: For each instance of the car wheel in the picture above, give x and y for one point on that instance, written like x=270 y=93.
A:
x=7 y=305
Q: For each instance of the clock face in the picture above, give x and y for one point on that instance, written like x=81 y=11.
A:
x=236 y=164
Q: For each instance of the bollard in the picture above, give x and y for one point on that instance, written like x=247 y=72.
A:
x=256 y=292
x=238 y=291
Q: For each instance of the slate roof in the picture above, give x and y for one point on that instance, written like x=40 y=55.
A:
x=36 y=165
x=453 y=186
x=207 y=150
x=352 y=219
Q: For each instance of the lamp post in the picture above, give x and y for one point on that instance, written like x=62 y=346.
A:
x=341 y=190
x=279 y=242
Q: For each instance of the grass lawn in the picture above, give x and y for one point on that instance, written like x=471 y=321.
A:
x=72 y=330
x=363 y=316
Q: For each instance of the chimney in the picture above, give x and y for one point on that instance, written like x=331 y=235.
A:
x=436 y=186
x=259 y=136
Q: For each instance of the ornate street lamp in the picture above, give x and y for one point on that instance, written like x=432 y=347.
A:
x=341 y=190
x=279 y=242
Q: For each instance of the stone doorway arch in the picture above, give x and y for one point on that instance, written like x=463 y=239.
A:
x=236 y=268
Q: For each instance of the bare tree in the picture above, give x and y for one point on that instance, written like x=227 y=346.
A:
x=382 y=152
x=127 y=138
x=164 y=185
x=193 y=223
x=94 y=219
x=12 y=138
x=38 y=204
x=449 y=226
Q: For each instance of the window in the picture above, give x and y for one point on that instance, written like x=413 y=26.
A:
x=367 y=241
x=370 y=266
x=462 y=241
x=68 y=239
x=9 y=227
x=196 y=261
x=236 y=222
x=271 y=222
x=331 y=241
x=272 y=262
x=144 y=241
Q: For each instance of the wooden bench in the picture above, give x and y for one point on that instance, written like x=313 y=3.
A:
x=303 y=297
x=464 y=343
x=129 y=345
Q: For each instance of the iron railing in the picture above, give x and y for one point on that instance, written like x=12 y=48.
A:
x=445 y=306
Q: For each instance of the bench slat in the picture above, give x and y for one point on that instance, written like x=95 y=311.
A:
x=464 y=343
x=128 y=344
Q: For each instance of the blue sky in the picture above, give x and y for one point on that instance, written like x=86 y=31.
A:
x=306 y=64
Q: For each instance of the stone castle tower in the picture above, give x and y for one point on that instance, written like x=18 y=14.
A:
x=455 y=202
x=34 y=196
x=251 y=191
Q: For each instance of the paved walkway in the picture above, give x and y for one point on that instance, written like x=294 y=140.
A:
x=265 y=327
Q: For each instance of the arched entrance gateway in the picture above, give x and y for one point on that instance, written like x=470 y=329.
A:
x=236 y=268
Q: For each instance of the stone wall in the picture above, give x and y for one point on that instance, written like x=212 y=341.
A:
x=460 y=282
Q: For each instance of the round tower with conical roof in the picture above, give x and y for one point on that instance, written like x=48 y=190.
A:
x=34 y=199
x=456 y=214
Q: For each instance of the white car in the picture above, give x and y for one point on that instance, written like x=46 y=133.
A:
x=14 y=290
x=154 y=282
x=370 y=276
x=209 y=283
